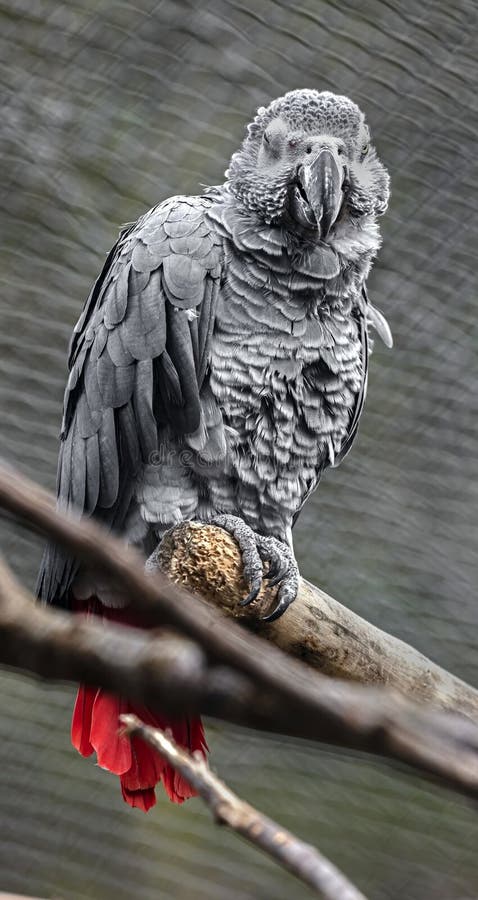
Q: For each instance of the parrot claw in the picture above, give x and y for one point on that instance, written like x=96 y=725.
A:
x=257 y=549
x=287 y=594
x=274 y=577
x=252 y=595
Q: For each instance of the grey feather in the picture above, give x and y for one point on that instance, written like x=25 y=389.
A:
x=99 y=343
x=143 y=259
x=116 y=299
x=117 y=349
x=115 y=382
x=379 y=322
x=169 y=384
x=92 y=485
x=184 y=278
x=86 y=420
x=151 y=310
x=194 y=245
x=92 y=390
x=182 y=357
x=137 y=281
x=180 y=227
x=129 y=453
x=108 y=460
x=143 y=409
x=77 y=494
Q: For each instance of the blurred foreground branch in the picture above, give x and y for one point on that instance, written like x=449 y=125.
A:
x=316 y=627
x=17 y=897
x=300 y=858
x=222 y=670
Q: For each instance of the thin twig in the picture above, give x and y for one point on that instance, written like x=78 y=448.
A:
x=303 y=860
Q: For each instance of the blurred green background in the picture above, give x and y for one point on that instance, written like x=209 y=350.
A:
x=107 y=108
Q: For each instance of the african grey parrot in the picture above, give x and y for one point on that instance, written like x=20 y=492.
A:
x=220 y=363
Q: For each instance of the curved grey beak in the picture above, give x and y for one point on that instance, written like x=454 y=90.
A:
x=321 y=181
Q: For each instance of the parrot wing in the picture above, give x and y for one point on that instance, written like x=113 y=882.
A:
x=137 y=361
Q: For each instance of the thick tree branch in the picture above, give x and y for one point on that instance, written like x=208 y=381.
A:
x=176 y=675
x=164 y=603
x=316 y=628
x=303 y=860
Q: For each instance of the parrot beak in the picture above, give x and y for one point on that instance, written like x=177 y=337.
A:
x=319 y=191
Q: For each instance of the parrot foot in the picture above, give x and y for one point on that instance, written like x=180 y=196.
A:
x=257 y=549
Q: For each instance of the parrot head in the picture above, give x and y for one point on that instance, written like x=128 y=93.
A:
x=307 y=162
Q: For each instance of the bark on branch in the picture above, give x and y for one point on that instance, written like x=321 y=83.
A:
x=301 y=859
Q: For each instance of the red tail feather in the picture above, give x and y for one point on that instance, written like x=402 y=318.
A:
x=95 y=727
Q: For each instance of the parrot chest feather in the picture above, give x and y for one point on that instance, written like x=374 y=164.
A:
x=286 y=370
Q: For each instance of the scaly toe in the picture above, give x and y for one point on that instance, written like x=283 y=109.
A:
x=257 y=549
x=277 y=555
x=251 y=558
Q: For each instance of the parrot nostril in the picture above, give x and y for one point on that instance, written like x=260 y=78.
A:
x=308 y=149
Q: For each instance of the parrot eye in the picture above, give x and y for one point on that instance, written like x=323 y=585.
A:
x=272 y=141
x=293 y=143
x=364 y=150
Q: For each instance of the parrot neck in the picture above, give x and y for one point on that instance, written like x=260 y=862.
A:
x=352 y=242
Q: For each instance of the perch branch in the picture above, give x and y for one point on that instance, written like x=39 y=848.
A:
x=316 y=629
x=177 y=676
x=303 y=860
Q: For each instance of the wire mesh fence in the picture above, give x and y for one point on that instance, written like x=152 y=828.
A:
x=107 y=109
